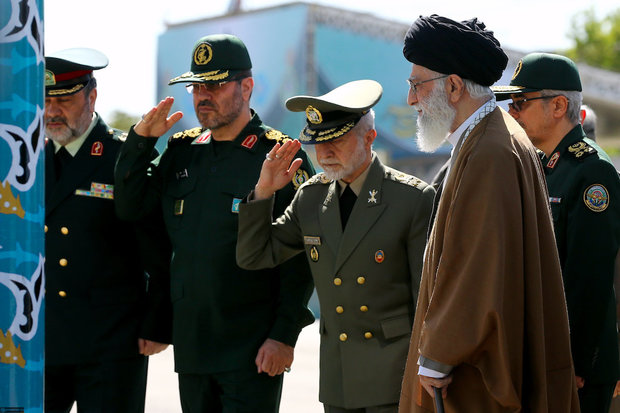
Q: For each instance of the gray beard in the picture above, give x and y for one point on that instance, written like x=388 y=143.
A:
x=435 y=121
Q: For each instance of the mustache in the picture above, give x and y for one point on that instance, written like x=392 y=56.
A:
x=56 y=119
x=206 y=103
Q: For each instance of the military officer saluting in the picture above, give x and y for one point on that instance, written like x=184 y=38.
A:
x=584 y=193
x=100 y=322
x=362 y=226
x=233 y=330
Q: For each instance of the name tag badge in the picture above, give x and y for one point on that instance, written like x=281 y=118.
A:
x=178 y=206
x=235 y=205
x=308 y=240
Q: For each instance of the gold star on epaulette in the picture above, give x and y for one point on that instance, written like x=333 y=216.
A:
x=404 y=178
x=581 y=150
x=319 y=178
x=189 y=134
x=276 y=135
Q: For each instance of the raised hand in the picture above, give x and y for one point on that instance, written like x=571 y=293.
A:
x=277 y=170
x=156 y=122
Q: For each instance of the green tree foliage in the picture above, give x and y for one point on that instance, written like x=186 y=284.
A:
x=596 y=42
x=121 y=120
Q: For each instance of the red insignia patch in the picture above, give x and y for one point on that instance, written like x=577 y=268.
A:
x=204 y=138
x=553 y=160
x=96 y=149
x=250 y=141
x=379 y=256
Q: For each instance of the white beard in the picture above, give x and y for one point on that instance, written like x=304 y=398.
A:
x=342 y=171
x=435 y=121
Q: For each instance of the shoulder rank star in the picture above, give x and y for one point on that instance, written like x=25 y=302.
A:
x=372 y=196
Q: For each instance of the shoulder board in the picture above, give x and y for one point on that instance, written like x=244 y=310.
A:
x=319 y=178
x=581 y=150
x=117 y=135
x=276 y=135
x=186 y=136
x=403 y=178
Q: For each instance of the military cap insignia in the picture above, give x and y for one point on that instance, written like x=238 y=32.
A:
x=186 y=135
x=581 y=150
x=596 y=198
x=203 y=54
x=50 y=79
x=276 y=135
x=300 y=177
x=313 y=115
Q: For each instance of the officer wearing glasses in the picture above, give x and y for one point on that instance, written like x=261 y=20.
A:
x=233 y=330
x=584 y=193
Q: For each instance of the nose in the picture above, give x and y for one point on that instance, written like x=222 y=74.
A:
x=412 y=97
x=52 y=108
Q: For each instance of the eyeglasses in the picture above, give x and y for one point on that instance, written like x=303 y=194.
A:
x=413 y=85
x=516 y=105
x=200 y=88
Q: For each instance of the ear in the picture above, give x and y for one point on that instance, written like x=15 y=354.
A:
x=455 y=88
x=247 y=85
x=369 y=138
x=92 y=98
x=559 y=106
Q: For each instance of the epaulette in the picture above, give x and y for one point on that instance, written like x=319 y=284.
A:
x=319 y=178
x=276 y=135
x=117 y=135
x=581 y=150
x=187 y=136
x=403 y=178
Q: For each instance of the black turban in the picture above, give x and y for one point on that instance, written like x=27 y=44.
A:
x=465 y=49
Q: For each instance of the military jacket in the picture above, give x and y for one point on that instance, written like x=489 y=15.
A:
x=367 y=277
x=96 y=300
x=221 y=313
x=584 y=193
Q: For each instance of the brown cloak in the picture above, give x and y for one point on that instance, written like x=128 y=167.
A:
x=491 y=298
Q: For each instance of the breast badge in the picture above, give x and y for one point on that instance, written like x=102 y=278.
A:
x=314 y=254
x=596 y=197
x=300 y=177
x=379 y=256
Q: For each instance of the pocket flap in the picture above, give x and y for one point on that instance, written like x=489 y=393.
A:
x=396 y=326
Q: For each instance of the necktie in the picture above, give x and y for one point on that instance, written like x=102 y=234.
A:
x=61 y=160
x=347 y=200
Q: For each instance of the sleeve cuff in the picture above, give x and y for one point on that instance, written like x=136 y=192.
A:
x=432 y=368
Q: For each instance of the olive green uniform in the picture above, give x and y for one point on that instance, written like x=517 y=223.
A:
x=584 y=193
x=367 y=277
x=221 y=313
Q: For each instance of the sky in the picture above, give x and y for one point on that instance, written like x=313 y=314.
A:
x=127 y=31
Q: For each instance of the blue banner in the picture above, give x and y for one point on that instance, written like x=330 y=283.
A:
x=22 y=209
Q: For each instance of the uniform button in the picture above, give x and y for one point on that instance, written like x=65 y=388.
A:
x=343 y=337
x=45 y=228
x=368 y=335
x=361 y=280
x=63 y=262
x=62 y=294
x=337 y=281
x=339 y=309
x=64 y=230
x=363 y=309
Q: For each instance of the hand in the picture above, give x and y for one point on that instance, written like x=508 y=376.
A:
x=580 y=382
x=156 y=122
x=274 y=357
x=429 y=382
x=148 y=347
x=278 y=170
x=617 y=389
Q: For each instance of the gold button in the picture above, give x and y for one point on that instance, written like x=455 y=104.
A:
x=361 y=280
x=363 y=309
x=343 y=337
x=62 y=294
x=337 y=281
x=339 y=309
x=368 y=335
x=64 y=230
x=45 y=228
x=63 y=262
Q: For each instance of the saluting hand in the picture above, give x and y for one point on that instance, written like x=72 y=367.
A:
x=156 y=122
x=278 y=170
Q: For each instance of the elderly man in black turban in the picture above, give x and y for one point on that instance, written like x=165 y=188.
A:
x=491 y=328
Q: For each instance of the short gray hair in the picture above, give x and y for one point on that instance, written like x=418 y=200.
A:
x=477 y=91
x=574 y=102
x=366 y=123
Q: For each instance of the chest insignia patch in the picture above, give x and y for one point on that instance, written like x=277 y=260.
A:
x=553 y=160
x=96 y=149
x=249 y=141
x=596 y=197
x=204 y=138
x=235 y=205
x=379 y=256
x=300 y=177
x=314 y=254
x=372 y=198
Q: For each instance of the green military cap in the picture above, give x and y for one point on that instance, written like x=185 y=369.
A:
x=216 y=58
x=335 y=113
x=538 y=71
x=69 y=71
